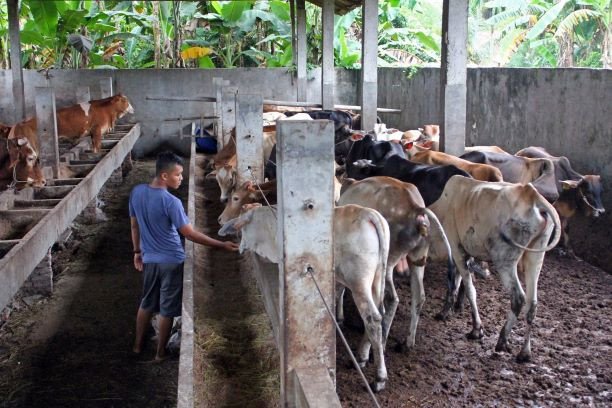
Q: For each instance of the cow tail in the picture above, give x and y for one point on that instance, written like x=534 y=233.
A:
x=548 y=212
x=382 y=230
x=452 y=269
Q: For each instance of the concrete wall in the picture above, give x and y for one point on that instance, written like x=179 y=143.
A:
x=567 y=111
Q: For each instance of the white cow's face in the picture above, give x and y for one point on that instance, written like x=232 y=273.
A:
x=226 y=177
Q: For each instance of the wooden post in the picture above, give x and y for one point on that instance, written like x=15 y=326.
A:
x=46 y=129
x=228 y=112
x=82 y=94
x=249 y=138
x=18 y=94
x=301 y=50
x=305 y=224
x=106 y=88
x=453 y=77
x=328 y=78
x=369 y=72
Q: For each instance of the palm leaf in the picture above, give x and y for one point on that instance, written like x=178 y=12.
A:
x=46 y=16
x=547 y=19
x=569 y=23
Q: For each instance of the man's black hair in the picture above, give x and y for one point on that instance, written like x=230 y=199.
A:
x=166 y=161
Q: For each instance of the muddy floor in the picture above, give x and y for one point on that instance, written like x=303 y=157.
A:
x=73 y=349
x=571 y=347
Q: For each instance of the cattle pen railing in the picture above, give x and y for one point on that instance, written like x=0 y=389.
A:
x=28 y=251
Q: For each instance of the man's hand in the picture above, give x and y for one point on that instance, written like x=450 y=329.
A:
x=138 y=264
x=230 y=246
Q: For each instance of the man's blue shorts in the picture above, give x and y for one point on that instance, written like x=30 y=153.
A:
x=163 y=289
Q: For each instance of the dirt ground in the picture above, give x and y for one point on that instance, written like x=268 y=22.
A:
x=571 y=347
x=74 y=348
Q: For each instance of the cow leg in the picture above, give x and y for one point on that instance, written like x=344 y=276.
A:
x=416 y=302
x=372 y=336
x=532 y=263
x=453 y=299
x=390 y=302
x=510 y=280
x=340 y=304
x=470 y=292
x=96 y=139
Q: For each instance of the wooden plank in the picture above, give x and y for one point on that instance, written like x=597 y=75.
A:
x=305 y=224
x=249 y=138
x=318 y=105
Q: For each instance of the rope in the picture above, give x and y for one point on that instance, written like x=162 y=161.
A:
x=261 y=191
x=310 y=270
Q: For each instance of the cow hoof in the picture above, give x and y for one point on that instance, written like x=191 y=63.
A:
x=362 y=363
x=475 y=334
x=402 y=347
x=523 y=357
x=444 y=315
x=377 y=386
x=458 y=307
x=502 y=347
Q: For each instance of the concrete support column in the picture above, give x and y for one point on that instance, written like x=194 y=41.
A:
x=228 y=112
x=369 y=72
x=106 y=88
x=17 y=72
x=249 y=138
x=40 y=281
x=82 y=94
x=301 y=51
x=328 y=77
x=305 y=224
x=453 y=77
x=218 y=84
x=46 y=129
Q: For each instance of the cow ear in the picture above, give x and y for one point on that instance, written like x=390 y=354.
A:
x=568 y=184
x=246 y=185
x=356 y=136
x=408 y=145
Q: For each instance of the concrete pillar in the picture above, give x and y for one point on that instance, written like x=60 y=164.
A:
x=249 y=138
x=293 y=32
x=228 y=112
x=305 y=224
x=40 y=281
x=106 y=88
x=328 y=77
x=46 y=129
x=453 y=77
x=301 y=51
x=218 y=84
x=82 y=94
x=369 y=72
x=17 y=72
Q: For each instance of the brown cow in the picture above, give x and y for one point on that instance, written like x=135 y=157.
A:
x=483 y=172
x=19 y=164
x=93 y=118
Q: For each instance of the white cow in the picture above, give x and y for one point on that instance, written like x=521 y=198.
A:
x=361 y=248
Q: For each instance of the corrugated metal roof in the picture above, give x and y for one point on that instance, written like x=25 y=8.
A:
x=341 y=6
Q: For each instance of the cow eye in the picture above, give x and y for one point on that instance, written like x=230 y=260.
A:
x=235 y=198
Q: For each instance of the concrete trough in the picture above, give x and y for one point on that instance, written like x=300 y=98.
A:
x=19 y=262
x=44 y=203
x=52 y=192
x=80 y=170
x=15 y=224
x=6 y=246
x=66 y=182
x=84 y=161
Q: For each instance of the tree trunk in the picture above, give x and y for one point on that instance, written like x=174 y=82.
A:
x=178 y=40
x=156 y=34
x=566 y=51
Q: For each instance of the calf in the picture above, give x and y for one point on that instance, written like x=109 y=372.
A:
x=361 y=248
x=514 y=169
x=483 y=172
x=402 y=206
x=504 y=223
x=19 y=163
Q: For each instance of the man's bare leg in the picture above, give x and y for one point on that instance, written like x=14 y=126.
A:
x=165 y=327
x=143 y=318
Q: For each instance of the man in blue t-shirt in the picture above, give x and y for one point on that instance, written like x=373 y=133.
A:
x=157 y=217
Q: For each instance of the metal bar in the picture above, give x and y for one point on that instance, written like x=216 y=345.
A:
x=318 y=105
x=21 y=260
x=46 y=129
x=328 y=76
x=181 y=99
x=249 y=138
x=369 y=71
x=185 y=397
x=190 y=118
x=17 y=71
x=305 y=227
x=453 y=77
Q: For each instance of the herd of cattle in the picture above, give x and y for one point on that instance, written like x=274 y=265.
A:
x=404 y=203
x=19 y=151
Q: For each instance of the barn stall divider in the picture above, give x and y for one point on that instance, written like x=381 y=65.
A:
x=34 y=219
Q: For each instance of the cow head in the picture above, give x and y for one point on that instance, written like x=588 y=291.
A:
x=588 y=194
x=226 y=178
x=24 y=163
x=243 y=195
x=122 y=105
x=4 y=130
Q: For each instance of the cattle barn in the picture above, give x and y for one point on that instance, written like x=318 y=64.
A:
x=458 y=293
